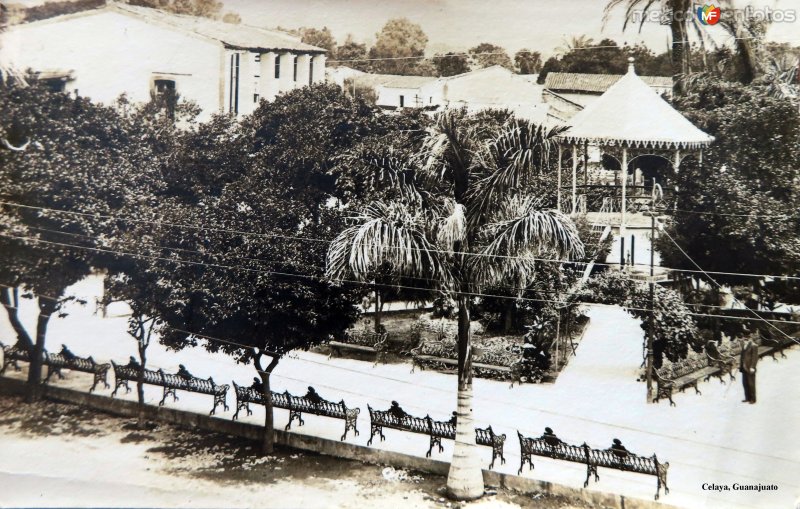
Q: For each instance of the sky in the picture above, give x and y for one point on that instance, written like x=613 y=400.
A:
x=457 y=25
x=460 y=24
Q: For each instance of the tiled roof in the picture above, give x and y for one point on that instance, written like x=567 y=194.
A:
x=392 y=80
x=234 y=35
x=596 y=83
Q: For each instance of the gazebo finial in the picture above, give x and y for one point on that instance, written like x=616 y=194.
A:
x=631 y=67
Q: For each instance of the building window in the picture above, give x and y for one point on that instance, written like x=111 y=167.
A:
x=233 y=93
x=55 y=84
x=255 y=98
x=311 y=71
x=165 y=95
x=258 y=57
x=402 y=101
x=277 y=66
x=295 y=69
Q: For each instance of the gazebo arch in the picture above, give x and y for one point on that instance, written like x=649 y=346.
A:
x=629 y=120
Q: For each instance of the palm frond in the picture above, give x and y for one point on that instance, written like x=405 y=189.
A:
x=520 y=151
x=523 y=231
x=381 y=164
x=387 y=234
x=453 y=227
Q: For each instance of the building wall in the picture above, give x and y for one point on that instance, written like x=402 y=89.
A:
x=112 y=53
x=412 y=97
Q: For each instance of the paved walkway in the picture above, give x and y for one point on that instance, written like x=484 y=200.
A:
x=711 y=438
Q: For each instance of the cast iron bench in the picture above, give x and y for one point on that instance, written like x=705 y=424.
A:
x=362 y=341
x=436 y=430
x=12 y=355
x=311 y=403
x=55 y=362
x=171 y=384
x=682 y=375
x=550 y=446
x=724 y=363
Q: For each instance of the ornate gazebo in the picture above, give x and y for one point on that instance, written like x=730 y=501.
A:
x=628 y=121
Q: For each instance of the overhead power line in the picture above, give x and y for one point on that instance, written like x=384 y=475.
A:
x=312 y=239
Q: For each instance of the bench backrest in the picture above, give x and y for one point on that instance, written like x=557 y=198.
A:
x=547 y=447
x=625 y=461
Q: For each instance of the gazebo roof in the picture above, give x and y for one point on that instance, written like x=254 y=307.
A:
x=632 y=114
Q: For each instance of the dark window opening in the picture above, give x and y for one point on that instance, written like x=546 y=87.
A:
x=258 y=57
x=402 y=101
x=311 y=70
x=55 y=84
x=295 y=69
x=255 y=98
x=233 y=97
x=277 y=66
x=165 y=95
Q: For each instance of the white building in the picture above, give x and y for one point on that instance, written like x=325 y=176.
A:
x=116 y=49
x=490 y=88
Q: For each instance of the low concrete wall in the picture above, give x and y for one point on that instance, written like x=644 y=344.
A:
x=124 y=408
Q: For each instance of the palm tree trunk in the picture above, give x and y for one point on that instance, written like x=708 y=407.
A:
x=465 y=479
x=680 y=49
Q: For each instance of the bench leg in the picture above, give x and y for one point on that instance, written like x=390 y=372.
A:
x=375 y=429
x=590 y=469
x=239 y=406
x=120 y=383
x=435 y=441
x=525 y=456
x=497 y=450
x=350 y=423
x=219 y=399
x=696 y=390
x=168 y=392
x=294 y=414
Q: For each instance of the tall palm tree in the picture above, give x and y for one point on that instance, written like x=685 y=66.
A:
x=467 y=225
x=681 y=20
x=574 y=42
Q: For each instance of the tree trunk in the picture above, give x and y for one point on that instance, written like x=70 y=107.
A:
x=465 y=479
x=140 y=384
x=509 y=316
x=12 y=309
x=268 y=441
x=378 y=309
x=47 y=307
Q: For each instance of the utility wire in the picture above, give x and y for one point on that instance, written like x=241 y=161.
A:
x=311 y=239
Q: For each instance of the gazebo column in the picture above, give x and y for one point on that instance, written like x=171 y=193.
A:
x=677 y=163
x=558 y=188
x=624 y=191
x=574 y=178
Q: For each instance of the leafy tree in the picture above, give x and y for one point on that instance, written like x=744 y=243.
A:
x=232 y=17
x=527 y=61
x=606 y=57
x=53 y=9
x=735 y=212
x=321 y=38
x=487 y=55
x=401 y=43
x=79 y=157
x=466 y=222
x=451 y=64
x=353 y=54
x=199 y=8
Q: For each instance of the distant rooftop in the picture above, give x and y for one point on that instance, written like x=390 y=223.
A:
x=392 y=80
x=237 y=36
x=596 y=83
